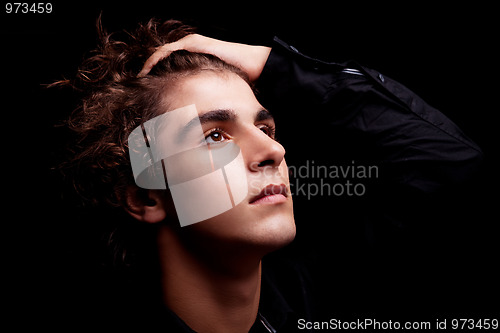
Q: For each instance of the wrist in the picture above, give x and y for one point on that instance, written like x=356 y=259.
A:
x=257 y=61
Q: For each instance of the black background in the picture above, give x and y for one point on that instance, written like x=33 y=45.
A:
x=446 y=54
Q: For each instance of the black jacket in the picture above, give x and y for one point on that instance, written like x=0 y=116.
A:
x=421 y=146
x=381 y=252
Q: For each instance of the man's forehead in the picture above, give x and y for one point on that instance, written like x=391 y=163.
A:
x=211 y=90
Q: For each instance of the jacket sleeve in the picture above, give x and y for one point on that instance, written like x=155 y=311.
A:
x=417 y=145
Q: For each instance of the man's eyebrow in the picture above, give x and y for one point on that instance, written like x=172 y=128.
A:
x=263 y=115
x=218 y=115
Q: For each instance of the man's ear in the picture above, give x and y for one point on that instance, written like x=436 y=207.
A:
x=146 y=205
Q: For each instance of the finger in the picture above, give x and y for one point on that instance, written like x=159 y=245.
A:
x=161 y=53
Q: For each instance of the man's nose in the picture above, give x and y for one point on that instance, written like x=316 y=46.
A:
x=262 y=151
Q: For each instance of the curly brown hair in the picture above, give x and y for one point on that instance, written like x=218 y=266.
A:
x=116 y=101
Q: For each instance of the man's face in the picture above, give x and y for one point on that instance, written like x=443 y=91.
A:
x=229 y=114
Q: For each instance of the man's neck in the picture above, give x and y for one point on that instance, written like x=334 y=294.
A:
x=208 y=297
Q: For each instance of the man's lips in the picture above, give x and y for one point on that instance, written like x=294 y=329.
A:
x=271 y=194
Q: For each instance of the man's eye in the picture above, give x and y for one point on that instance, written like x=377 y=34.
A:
x=215 y=136
x=268 y=130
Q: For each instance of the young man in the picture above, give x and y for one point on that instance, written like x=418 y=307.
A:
x=210 y=271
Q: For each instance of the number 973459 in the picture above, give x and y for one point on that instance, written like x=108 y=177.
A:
x=26 y=8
